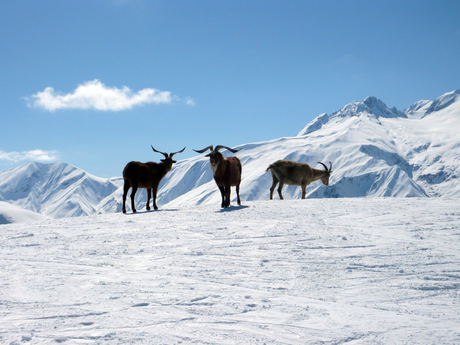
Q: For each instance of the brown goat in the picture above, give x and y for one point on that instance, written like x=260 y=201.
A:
x=296 y=174
x=226 y=171
x=146 y=175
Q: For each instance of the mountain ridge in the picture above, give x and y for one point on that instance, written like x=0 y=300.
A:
x=376 y=151
x=56 y=189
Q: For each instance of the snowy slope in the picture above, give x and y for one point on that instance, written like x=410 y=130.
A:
x=376 y=151
x=430 y=141
x=56 y=190
x=13 y=214
x=318 y=271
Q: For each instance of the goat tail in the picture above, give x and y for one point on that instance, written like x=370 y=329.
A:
x=271 y=166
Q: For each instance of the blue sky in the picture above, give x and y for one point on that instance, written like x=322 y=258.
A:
x=95 y=83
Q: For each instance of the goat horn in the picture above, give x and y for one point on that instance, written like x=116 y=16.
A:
x=173 y=153
x=205 y=149
x=164 y=153
x=330 y=168
x=325 y=167
x=218 y=147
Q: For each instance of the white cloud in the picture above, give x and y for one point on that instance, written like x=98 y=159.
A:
x=34 y=155
x=190 y=102
x=95 y=95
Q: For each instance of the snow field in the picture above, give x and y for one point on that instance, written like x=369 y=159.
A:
x=315 y=271
x=13 y=214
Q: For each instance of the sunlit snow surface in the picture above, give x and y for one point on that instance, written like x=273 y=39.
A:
x=315 y=271
x=13 y=214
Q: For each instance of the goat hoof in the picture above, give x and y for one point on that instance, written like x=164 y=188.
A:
x=124 y=211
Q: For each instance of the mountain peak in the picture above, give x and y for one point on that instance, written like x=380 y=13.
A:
x=444 y=101
x=371 y=105
x=372 y=101
x=380 y=109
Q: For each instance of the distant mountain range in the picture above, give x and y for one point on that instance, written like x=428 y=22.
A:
x=375 y=152
x=58 y=190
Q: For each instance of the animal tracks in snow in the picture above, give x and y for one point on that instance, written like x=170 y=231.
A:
x=281 y=272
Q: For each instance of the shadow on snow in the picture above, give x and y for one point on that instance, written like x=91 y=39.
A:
x=233 y=208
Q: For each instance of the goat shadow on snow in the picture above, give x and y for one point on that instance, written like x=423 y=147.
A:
x=232 y=208
x=222 y=210
x=151 y=211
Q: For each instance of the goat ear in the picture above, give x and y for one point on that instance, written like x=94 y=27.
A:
x=174 y=161
x=208 y=155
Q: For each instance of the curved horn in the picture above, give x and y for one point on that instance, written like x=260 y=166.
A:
x=325 y=167
x=205 y=149
x=164 y=153
x=173 y=153
x=218 y=147
x=330 y=168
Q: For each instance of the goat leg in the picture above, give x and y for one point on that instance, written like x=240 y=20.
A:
x=125 y=191
x=133 y=194
x=222 y=193
x=280 y=188
x=228 y=193
x=304 y=187
x=149 y=193
x=154 y=196
x=272 y=188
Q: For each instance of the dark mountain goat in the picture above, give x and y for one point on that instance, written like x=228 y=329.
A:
x=226 y=171
x=296 y=174
x=146 y=175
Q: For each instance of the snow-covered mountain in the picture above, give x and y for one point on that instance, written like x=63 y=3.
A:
x=58 y=190
x=375 y=151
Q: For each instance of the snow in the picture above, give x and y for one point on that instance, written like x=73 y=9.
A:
x=375 y=151
x=315 y=271
x=371 y=259
x=13 y=214
x=444 y=101
x=57 y=190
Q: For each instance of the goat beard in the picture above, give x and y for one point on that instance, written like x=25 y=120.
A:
x=214 y=168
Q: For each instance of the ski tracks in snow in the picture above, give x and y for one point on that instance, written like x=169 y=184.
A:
x=323 y=271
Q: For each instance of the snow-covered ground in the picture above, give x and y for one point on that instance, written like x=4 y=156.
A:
x=315 y=271
x=14 y=214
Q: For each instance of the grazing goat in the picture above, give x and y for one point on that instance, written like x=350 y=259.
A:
x=146 y=175
x=296 y=174
x=226 y=171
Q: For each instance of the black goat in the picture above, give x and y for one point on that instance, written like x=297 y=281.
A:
x=146 y=175
x=226 y=171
